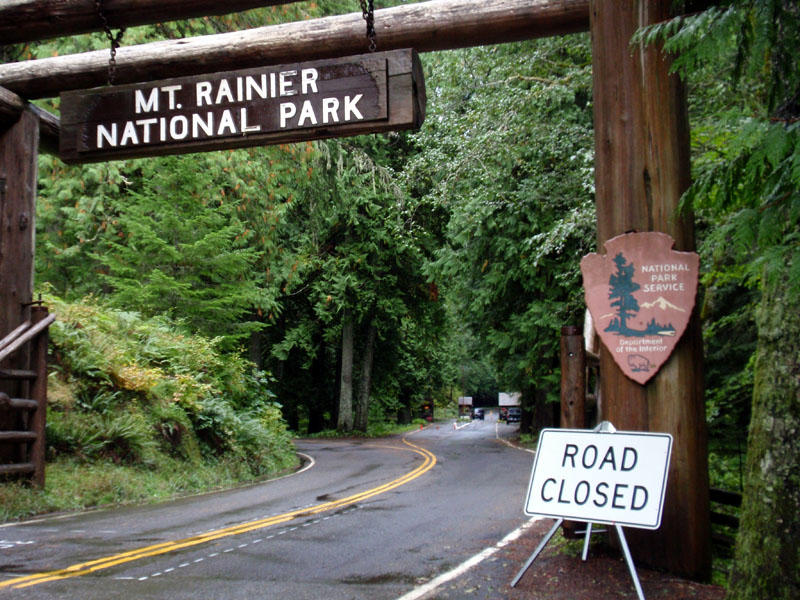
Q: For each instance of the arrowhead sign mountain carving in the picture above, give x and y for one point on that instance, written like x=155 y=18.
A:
x=640 y=294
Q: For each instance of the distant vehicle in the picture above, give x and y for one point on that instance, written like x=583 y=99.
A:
x=477 y=413
x=514 y=414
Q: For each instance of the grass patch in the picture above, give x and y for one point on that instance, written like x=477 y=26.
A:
x=71 y=485
x=529 y=440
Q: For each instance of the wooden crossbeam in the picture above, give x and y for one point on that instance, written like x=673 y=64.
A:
x=424 y=26
x=29 y=20
x=12 y=106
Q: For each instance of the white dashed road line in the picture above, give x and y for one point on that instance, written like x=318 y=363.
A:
x=233 y=548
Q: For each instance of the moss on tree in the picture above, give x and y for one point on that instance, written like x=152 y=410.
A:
x=767 y=549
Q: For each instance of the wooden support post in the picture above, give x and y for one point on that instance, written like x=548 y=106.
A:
x=641 y=170
x=573 y=391
x=18 y=170
x=573 y=378
x=12 y=106
x=39 y=394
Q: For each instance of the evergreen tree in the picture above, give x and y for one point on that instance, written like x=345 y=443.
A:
x=505 y=163
x=622 y=288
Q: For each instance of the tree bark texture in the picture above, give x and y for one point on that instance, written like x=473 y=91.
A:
x=767 y=550
x=345 y=419
x=365 y=382
x=29 y=20
x=641 y=170
x=424 y=26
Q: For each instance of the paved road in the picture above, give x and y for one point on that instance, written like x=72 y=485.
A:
x=367 y=519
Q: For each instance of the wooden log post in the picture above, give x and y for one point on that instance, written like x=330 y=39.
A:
x=12 y=106
x=573 y=378
x=573 y=392
x=641 y=170
x=18 y=170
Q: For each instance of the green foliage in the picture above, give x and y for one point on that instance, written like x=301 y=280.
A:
x=142 y=389
x=123 y=439
x=139 y=410
x=181 y=236
x=747 y=174
x=754 y=41
x=729 y=333
x=72 y=485
x=506 y=159
x=348 y=241
x=746 y=193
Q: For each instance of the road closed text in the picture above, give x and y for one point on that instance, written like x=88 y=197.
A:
x=604 y=493
x=600 y=477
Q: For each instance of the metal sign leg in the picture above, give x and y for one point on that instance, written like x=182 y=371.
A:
x=536 y=552
x=629 y=560
x=589 y=531
x=586 y=542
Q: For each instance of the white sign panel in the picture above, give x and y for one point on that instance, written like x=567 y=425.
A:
x=613 y=478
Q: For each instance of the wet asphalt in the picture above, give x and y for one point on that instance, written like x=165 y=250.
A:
x=371 y=519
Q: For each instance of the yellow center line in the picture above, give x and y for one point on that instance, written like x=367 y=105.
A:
x=107 y=562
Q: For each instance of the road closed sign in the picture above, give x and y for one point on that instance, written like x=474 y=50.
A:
x=600 y=477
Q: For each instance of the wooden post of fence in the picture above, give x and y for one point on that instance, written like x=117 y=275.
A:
x=641 y=170
x=39 y=394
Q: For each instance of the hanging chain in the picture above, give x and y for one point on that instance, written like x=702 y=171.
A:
x=115 y=40
x=368 y=12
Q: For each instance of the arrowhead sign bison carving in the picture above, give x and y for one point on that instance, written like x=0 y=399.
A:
x=640 y=294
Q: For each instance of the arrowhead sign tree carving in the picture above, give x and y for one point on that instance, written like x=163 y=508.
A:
x=640 y=294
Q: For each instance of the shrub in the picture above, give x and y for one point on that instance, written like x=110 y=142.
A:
x=136 y=391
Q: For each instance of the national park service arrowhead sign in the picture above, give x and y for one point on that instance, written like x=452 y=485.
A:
x=640 y=295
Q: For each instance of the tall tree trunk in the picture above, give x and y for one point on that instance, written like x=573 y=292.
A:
x=255 y=350
x=365 y=383
x=345 y=421
x=767 y=550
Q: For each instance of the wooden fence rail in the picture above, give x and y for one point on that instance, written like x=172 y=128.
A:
x=22 y=441
x=724 y=517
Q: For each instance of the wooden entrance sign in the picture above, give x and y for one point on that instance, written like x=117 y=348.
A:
x=369 y=93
